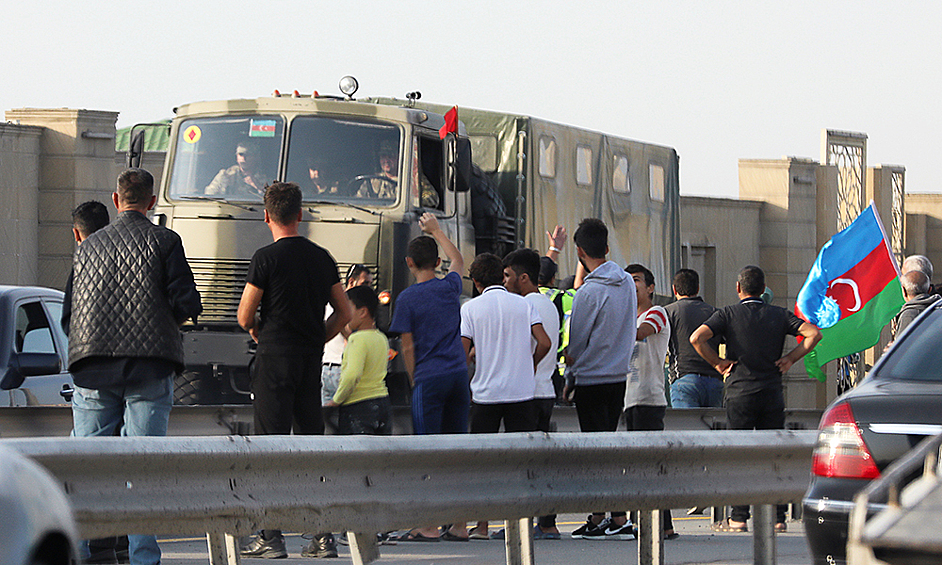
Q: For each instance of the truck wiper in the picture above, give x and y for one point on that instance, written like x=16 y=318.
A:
x=347 y=204
x=216 y=199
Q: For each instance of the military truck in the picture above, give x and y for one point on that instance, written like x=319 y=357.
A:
x=368 y=169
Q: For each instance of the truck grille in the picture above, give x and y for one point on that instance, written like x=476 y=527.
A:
x=220 y=284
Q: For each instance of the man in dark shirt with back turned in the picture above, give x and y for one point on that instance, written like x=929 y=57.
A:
x=755 y=337
x=694 y=383
x=293 y=279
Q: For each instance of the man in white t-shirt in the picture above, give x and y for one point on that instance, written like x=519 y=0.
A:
x=499 y=325
x=521 y=270
x=521 y=273
x=645 y=399
x=333 y=350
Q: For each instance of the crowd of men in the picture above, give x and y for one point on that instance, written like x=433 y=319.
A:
x=500 y=360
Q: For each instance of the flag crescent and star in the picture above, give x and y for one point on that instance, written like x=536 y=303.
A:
x=852 y=291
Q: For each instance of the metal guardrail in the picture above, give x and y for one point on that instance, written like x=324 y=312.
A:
x=903 y=530
x=229 y=486
x=43 y=421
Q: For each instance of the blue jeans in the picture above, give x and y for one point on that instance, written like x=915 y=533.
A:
x=697 y=391
x=141 y=409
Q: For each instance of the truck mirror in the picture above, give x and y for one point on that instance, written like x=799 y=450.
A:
x=463 y=165
x=136 y=148
x=457 y=163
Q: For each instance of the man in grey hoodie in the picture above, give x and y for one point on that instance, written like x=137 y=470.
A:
x=601 y=339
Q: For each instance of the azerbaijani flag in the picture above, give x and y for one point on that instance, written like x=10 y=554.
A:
x=852 y=291
x=262 y=128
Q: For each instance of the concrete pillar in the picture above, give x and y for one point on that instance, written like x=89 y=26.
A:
x=19 y=187
x=788 y=188
x=77 y=153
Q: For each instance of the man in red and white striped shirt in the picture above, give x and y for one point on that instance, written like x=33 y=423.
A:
x=645 y=400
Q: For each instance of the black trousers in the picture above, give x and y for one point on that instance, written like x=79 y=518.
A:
x=599 y=408
x=286 y=392
x=644 y=418
x=763 y=410
x=517 y=417
x=369 y=417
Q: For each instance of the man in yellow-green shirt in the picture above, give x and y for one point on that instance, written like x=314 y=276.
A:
x=361 y=395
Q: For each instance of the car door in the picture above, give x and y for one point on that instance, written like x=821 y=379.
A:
x=36 y=336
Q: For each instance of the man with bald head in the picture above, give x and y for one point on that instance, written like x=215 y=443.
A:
x=916 y=291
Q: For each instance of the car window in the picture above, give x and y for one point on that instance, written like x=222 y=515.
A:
x=55 y=316
x=916 y=357
x=33 y=333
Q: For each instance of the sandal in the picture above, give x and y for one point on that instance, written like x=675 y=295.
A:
x=448 y=536
x=780 y=527
x=727 y=527
x=474 y=533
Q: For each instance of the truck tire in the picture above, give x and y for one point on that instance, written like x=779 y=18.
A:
x=186 y=388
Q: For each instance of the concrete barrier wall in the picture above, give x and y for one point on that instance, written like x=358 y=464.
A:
x=19 y=195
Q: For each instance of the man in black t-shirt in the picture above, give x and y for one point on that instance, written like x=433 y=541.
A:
x=754 y=333
x=292 y=280
x=694 y=383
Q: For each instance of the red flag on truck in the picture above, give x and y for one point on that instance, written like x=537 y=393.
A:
x=451 y=123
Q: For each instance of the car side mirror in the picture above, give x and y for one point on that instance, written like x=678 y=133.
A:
x=33 y=364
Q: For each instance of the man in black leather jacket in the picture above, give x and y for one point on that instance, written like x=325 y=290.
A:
x=132 y=289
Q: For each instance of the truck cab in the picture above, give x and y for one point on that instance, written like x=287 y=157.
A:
x=366 y=172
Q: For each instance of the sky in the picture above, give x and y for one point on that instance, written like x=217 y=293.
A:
x=717 y=80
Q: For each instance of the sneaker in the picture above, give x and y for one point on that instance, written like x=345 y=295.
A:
x=268 y=549
x=609 y=530
x=322 y=546
x=581 y=531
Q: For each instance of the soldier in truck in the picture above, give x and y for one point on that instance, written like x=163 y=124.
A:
x=383 y=184
x=243 y=178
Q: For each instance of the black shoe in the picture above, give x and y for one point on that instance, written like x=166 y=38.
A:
x=268 y=549
x=322 y=546
x=589 y=527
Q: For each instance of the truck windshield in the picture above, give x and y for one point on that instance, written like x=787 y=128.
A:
x=227 y=158
x=344 y=160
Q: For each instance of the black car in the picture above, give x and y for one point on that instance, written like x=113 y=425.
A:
x=862 y=432
x=33 y=348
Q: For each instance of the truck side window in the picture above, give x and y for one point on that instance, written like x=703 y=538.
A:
x=33 y=333
x=621 y=182
x=431 y=177
x=656 y=182
x=547 y=157
x=583 y=165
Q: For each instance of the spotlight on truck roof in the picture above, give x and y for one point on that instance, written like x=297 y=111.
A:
x=349 y=86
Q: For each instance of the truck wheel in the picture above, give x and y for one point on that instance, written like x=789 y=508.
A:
x=186 y=388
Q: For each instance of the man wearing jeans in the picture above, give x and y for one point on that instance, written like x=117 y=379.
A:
x=132 y=289
x=694 y=383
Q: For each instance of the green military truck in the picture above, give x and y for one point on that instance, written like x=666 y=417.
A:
x=368 y=169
